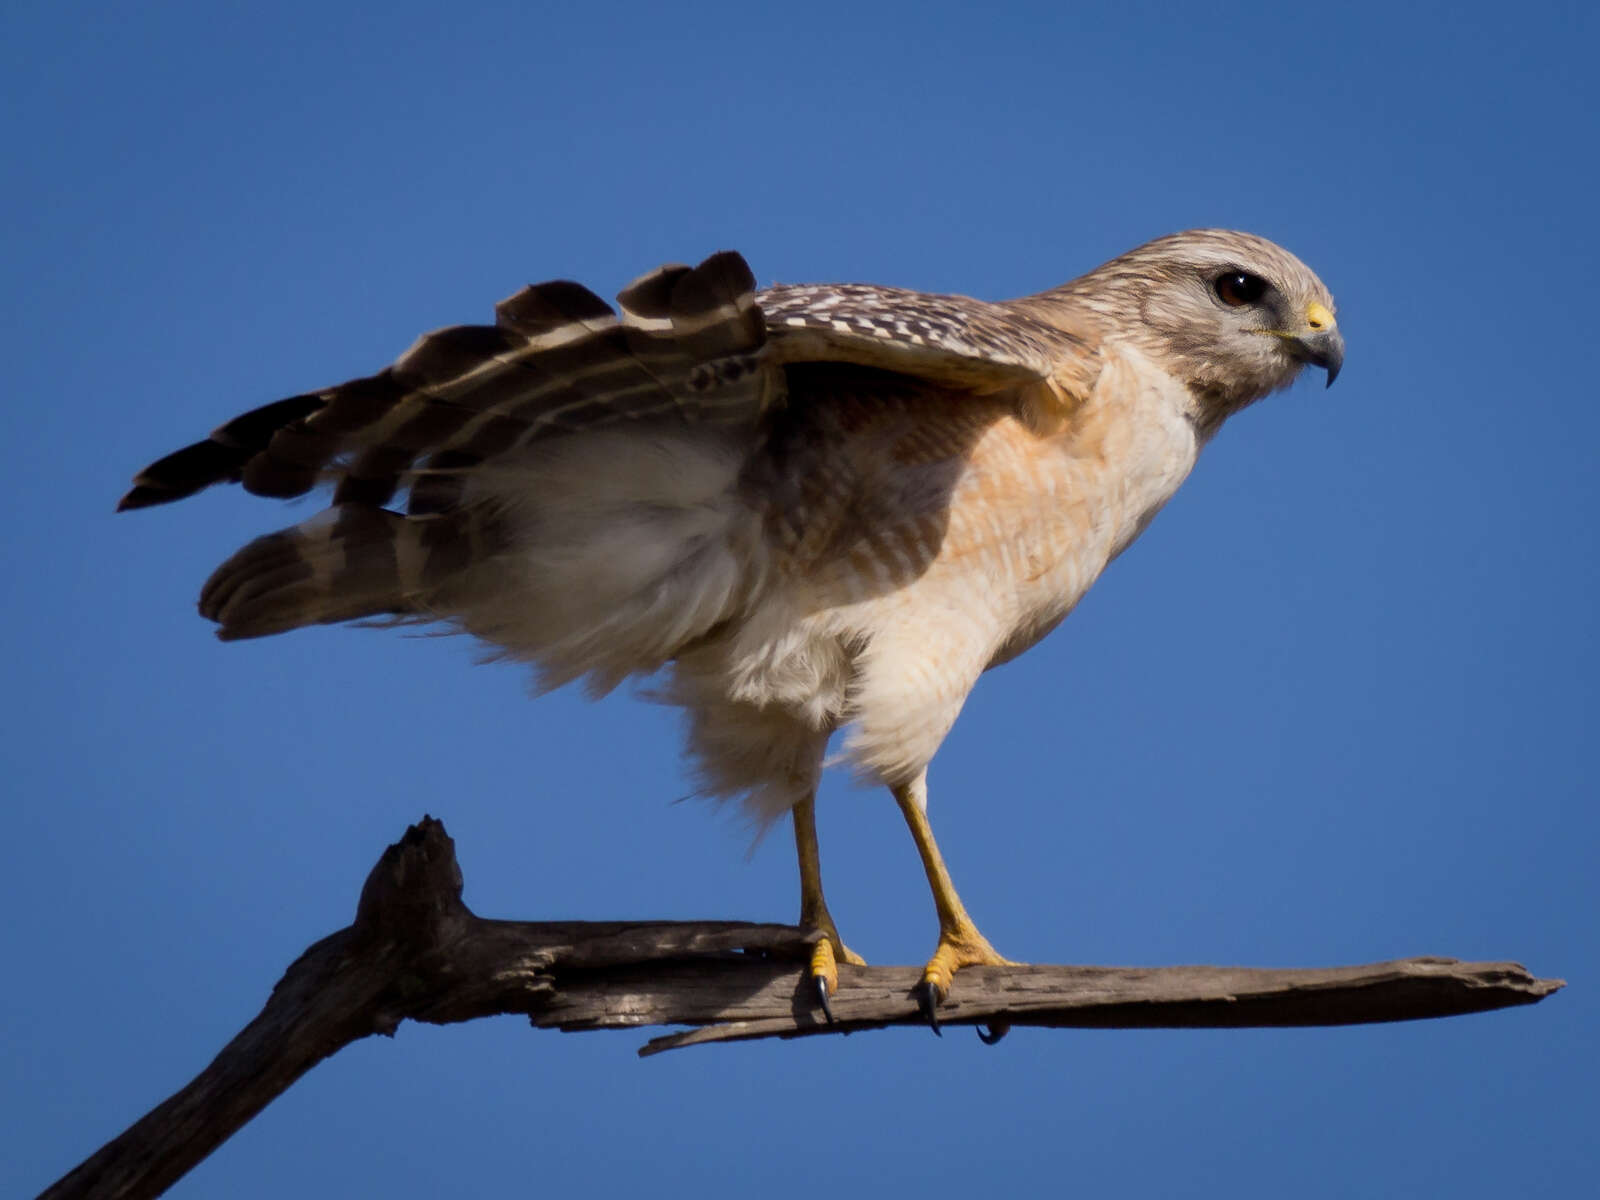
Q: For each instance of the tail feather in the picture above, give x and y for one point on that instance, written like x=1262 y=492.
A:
x=349 y=562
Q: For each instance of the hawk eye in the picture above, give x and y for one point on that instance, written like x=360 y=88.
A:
x=1238 y=288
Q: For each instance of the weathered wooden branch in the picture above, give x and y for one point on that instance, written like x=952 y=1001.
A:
x=416 y=951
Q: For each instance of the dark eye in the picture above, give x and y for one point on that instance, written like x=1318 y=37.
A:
x=1238 y=288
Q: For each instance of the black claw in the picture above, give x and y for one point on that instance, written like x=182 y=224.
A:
x=929 y=997
x=993 y=1033
x=822 y=997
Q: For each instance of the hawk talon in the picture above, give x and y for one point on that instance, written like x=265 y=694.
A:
x=991 y=1034
x=824 y=968
x=822 y=998
x=929 y=996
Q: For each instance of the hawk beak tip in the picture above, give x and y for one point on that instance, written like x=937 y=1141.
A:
x=1325 y=350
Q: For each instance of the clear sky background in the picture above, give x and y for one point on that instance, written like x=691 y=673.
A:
x=1338 y=705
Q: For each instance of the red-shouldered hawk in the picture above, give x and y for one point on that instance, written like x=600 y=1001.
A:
x=799 y=508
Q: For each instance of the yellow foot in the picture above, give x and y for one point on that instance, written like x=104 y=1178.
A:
x=825 y=959
x=960 y=947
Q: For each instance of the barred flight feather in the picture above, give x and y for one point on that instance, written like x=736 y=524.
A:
x=557 y=361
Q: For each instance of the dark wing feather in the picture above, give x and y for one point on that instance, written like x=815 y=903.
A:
x=558 y=359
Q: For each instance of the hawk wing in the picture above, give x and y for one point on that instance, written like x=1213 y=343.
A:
x=687 y=348
x=556 y=359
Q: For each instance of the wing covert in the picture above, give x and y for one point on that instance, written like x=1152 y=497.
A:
x=954 y=340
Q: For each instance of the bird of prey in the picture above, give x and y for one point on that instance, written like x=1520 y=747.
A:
x=796 y=509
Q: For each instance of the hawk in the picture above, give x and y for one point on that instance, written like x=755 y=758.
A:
x=796 y=509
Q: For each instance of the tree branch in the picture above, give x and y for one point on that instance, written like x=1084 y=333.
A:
x=415 y=951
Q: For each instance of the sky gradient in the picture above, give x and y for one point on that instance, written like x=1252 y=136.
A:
x=1338 y=705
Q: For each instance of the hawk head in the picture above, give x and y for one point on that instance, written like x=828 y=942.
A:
x=1232 y=315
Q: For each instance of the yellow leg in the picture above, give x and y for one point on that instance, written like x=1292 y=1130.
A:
x=960 y=943
x=830 y=950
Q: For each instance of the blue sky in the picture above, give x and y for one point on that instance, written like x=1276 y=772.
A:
x=1338 y=705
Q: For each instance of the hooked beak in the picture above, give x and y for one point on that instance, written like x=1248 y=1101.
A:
x=1320 y=342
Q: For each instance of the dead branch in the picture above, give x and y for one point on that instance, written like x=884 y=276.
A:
x=415 y=951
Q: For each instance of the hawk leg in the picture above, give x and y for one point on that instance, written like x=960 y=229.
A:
x=960 y=943
x=830 y=950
